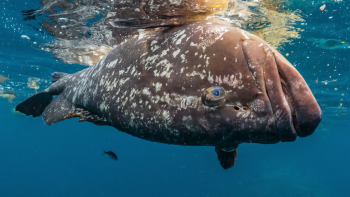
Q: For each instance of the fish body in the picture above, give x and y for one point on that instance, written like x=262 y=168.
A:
x=111 y=154
x=3 y=78
x=9 y=94
x=202 y=84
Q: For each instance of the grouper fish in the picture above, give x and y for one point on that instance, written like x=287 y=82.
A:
x=202 y=84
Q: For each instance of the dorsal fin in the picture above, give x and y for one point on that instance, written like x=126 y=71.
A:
x=56 y=76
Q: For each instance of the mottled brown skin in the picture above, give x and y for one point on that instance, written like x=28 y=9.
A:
x=151 y=87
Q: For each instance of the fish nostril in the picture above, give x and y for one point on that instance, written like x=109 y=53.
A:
x=236 y=107
x=245 y=108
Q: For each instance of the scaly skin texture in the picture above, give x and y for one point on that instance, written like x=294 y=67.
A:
x=151 y=87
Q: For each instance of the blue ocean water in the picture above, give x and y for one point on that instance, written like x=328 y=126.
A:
x=66 y=159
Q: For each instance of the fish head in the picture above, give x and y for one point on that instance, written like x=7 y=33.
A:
x=248 y=92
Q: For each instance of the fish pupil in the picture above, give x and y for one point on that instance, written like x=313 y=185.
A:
x=215 y=92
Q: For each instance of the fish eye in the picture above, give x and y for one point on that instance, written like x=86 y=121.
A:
x=215 y=92
x=213 y=96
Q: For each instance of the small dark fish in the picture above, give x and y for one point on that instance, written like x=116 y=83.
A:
x=10 y=92
x=111 y=154
x=3 y=78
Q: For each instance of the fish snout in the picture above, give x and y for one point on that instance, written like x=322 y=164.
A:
x=296 y=111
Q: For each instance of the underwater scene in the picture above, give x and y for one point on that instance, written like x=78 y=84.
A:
x=176 y=98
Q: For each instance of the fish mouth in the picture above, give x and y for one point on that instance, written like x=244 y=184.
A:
x=294 y=108
x=305 y=112
x=265 y=72
x=296 y=111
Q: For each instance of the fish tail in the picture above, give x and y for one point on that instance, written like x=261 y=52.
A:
x=41 y=103
x=35 y=105
x=104 y=152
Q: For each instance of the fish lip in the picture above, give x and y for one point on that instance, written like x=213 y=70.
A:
x=280 y=100
x=302 y=103
x=293 y=112
x=285 y=135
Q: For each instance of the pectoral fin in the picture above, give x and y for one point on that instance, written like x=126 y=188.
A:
x=227 y=158
x=57 y=110
x=61 y=109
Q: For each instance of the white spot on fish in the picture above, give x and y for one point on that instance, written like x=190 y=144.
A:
x=210 y=78
x=112 y=64
x=154 y=42
x=142 y=33
x=164 y=52
x=257 y=105
x=158 y=86
x=176 y=53
x=146 y=91
x=195 y=73
x=183 y=58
